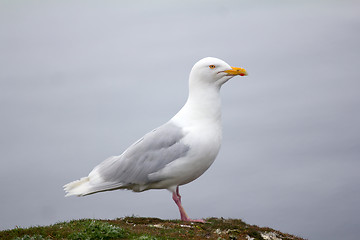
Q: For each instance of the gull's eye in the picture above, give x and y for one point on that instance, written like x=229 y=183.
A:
x=212 y=66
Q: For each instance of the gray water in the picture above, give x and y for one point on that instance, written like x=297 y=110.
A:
x=80 y=81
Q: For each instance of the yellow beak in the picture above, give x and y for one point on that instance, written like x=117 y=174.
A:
x=236 y=71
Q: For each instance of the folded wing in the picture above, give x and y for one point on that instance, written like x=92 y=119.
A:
x=131 y=169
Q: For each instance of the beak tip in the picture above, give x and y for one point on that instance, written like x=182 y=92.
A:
x=236 y=71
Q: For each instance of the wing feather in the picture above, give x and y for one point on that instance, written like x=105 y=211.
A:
x=148 y=155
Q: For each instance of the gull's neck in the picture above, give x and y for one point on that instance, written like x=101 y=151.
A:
x=202 y=106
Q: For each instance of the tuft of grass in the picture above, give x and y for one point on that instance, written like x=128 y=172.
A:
x=96 y=230
x=255 y=235
x=35 y=237
x=146 y=237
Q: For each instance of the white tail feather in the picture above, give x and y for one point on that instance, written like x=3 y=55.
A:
x=79 y=187
x=89 y=185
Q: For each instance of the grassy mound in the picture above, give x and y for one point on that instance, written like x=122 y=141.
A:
x=147 y=229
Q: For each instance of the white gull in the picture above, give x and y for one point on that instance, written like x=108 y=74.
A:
x=175 y=153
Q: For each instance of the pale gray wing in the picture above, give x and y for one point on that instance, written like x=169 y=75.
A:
x=148 y=155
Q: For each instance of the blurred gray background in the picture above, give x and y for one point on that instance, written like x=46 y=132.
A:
x=82 y=80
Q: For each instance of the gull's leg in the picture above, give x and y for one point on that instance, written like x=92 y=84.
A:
x=184 y=217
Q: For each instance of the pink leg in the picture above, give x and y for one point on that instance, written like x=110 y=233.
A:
x=184 y=217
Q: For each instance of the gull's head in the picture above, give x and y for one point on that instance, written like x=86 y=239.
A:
x=214 y=71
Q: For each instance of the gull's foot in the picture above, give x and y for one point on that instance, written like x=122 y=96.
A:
x=193 y=220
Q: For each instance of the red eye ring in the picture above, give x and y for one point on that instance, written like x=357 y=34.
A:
x=212 y=66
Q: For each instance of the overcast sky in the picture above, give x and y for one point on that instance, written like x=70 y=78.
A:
x=81 y=81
